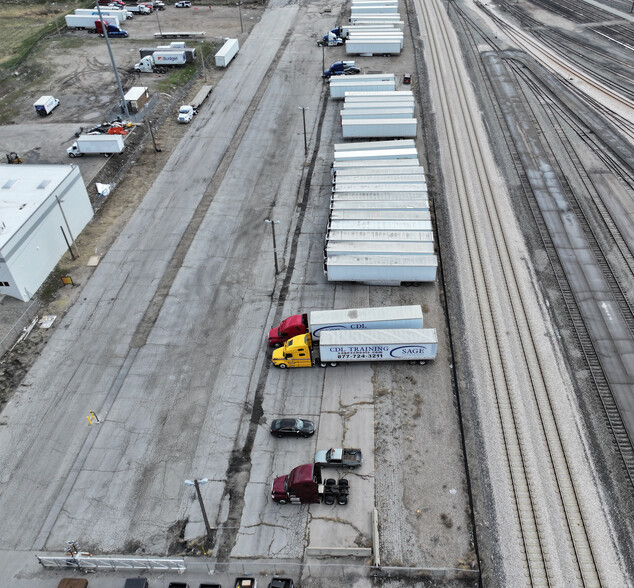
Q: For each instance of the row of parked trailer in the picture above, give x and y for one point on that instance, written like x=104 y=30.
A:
x=379 y=229
x=373 y=38
x=371 y=115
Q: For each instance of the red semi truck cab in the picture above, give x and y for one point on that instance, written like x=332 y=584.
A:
x=289 y=327
x=301 y=486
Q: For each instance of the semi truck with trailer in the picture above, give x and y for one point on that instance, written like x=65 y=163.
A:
x=345 y=346
x=101 y=144
x=304 y=485
x=318 y=321
x=87 y=21
x=159 y=61
x=190 y=52
x=138 y=9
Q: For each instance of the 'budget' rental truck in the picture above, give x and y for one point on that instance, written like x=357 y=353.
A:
x=414 y=345
x=385 y=317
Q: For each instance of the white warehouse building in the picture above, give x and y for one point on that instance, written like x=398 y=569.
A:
x=42 y=209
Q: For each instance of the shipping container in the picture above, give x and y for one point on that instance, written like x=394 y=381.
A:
x=379 y=248
x=381 y=270
x=380 y=236
x=380 y=225
x=384 y=205
x=227 y=52
x=378 y=127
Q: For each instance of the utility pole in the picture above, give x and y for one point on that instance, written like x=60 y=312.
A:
x=159 y=22
x=149 y=125
x=273 y=223
x=240 y=10
x=304 y=109
x=114 y=63
x=196 y=484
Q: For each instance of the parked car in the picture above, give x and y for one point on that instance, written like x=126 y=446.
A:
x=183 y=4
x=292 y=428
x=136 y=583
x=281 y=583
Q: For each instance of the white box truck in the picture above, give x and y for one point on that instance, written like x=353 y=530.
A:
x=227 y=52
x=102 y=144
x=45 y=105
x=319 y=321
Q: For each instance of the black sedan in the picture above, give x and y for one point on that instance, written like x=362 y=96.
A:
x=292 y=428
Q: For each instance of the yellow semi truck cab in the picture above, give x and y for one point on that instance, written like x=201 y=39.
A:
x=296 y=352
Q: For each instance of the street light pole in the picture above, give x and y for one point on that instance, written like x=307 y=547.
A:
x=196 y=484
x=304 y=109
x=114 y=64
x=240 y=10
x=159 y=22
x=273 y=223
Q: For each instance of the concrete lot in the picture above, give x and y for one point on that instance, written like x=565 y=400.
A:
x=167 y=345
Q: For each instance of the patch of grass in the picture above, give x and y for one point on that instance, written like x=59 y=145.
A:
x=24 y=23
x=52 y=284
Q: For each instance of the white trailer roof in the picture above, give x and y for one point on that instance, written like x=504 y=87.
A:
x=367 y=205
x=385 y=196
x=381 y=215
x=371 y=178
x=378 y=337
x=380 y=225
x=379 y=188
x=379 y=248
x=381 y=313
x=366 y=113
x=350 y=155
x=381 y=171
x=360 y=78
x=378 y=163
x=376 y=145
x=393 y=235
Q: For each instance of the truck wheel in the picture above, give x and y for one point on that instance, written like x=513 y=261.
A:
x=281 y=501
x=282 y=366
x=333 y=363
x=422 y=362
x=322 y=364
x=342 y=499
x=71 y=155
x=276 y=345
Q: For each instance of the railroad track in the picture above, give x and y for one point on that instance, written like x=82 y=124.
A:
x=547 y=52
x=617 y=246
x=513 y=357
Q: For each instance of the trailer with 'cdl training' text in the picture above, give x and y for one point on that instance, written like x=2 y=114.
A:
x=333 y=347
x=318 y=321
